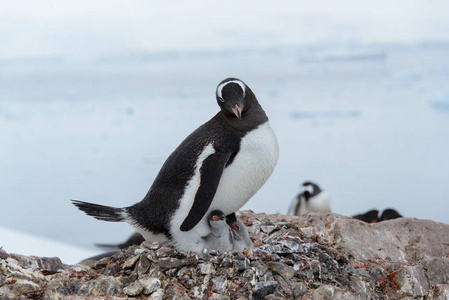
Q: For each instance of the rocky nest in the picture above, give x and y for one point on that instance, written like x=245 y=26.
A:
x=311 y=257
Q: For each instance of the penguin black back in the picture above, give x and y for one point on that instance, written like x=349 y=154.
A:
x=189 y=179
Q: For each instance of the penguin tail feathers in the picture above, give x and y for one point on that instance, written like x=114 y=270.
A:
x=101 y=212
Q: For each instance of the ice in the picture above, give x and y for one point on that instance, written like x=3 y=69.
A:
x=13 y=241
x=345 y=53
x=441 y=103
x=342 y=113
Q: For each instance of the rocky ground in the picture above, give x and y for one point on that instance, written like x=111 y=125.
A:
x=311 y=257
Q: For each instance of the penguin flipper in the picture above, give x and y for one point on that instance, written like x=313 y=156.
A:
x=211 y=171
x=101 y=212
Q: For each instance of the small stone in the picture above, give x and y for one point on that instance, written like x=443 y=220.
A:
x=299 y=289
x=175 y=263
x=165 y=252
x=249 y=273
x=151 y=255
x=199 y=292
x=104 y=286
x=183 y=272
x=227 y=262
x=438 y=291
x=260 y=268
x=175 y=291
x=134 y=288
x=187 y=282
x=293 y=246
x=143 y=265
x=157 y=295
x=242 y=265
x=262 y=289
x=22 y=287
x=214 y=252
x=285 y=271
x=130 y=262
x=239 y=256
x=55 y=288
x=283 y=285
x=3 y=254
x=249 y=253
x=139 y=251
x=152 y=246
x=150 y=285
x=220 y=284
x=205 y=268
x=216 y=296
x=315 y=266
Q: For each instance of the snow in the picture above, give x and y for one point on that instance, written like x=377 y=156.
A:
x=95 y=95
x=28 y=244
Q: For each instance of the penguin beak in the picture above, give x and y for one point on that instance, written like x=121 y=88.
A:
x=215 y=218
x=237 y=110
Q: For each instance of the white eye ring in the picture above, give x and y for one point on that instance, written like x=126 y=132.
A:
x=220 y=87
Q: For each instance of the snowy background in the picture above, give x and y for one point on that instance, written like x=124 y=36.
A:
x=95 y=95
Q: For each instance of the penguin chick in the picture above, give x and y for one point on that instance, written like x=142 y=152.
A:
x=225 y=236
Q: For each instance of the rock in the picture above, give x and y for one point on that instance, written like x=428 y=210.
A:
x=134 y=288
x=131 y=262
x=283 y=270
x=316 y=256
x=175 y=263
x=220 y=284
x=299 y=289
x=104 y=286
x=3 y=254
x=150 y=285
x=205 y=268
x=328 y=292
x=56 y=288
x=438 y=291
x=262 y=289
x=157 y=295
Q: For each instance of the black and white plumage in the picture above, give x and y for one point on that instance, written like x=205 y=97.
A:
x=372 y=216
x=310 y=199
x=389 y=214
x=219 y=166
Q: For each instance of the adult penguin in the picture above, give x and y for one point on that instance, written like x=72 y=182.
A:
x=219 y=166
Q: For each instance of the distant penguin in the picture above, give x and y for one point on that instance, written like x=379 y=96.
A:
x=310 y=199
x=371 y=216
x=389 y=214
x=219 y=166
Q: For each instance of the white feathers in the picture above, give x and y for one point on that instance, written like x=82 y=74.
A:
x=221 y=86
x=251 y=168
x=192 y=239
x=318 y=203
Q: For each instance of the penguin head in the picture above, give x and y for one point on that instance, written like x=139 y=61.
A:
x=234 y=97
x=310 y=189
x=217 y=219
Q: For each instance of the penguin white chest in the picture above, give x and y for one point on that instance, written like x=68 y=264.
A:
x=251 y=168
